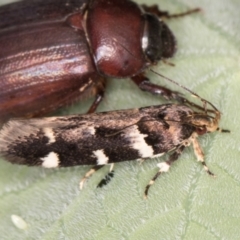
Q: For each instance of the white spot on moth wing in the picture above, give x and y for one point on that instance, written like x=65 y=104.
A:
x=163 y=166
x=49 y=133
x=91 y=130
x=102 y=159
x=18 y=222
x=137 y=142
x=51 y=160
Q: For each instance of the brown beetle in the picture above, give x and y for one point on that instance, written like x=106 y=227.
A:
x=54 y=52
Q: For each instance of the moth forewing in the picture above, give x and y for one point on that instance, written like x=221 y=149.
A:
x=102 y=138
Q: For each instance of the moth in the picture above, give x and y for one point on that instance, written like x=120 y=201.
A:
x=109 y=137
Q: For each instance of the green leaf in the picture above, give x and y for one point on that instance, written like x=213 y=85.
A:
x=185 y=203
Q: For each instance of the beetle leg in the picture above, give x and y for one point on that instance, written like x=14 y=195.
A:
x=145 y=85
x=164 y=167
x=165 y=14
x=99 y=91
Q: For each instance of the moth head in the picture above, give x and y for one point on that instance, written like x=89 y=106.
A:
x=204 y=122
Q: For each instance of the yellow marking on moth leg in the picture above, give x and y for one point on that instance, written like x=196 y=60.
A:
x=163 y=167
x=86 y=176
x=197 y=148
x=186 y=143
x=111 y=167
x=199 y=153
x=140 y=161
x=151 y=182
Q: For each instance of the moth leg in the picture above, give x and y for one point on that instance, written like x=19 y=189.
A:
x=199 y=154
x=107 y=178
x=165 y=14
x=164 y=167
x=141 y=160
x=145 y=85
x=89 y=174
x=98 y=92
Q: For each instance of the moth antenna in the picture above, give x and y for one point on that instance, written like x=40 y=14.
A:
x=120 y=130
x=190 y=91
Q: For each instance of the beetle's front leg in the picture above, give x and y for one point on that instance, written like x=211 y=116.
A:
x=145 y=85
